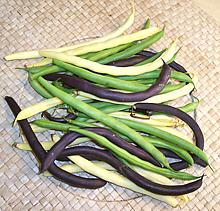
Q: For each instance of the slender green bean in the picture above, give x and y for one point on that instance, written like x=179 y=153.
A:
x=109 y=109
x=155 y=74
x=146 y=81
x=100 y=55
x=151 y=59
x=48 y=70
x=114 y=148
x=40 y=89
x=100 y=104
x=87 y=55
x=112 y=51
x=105 y=119
x=189 y=107
x=133 y=49
x=34 y=70
x=157 y=142
x=146 y=128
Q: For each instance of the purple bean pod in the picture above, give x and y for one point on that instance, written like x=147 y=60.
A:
x=40 y=153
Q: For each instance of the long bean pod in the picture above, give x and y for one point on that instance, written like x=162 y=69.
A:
x=155 y=74
x=133 y=49
x=40 y=89
x=46 y=71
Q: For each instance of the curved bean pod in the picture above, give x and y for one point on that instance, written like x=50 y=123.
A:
x=40 y=153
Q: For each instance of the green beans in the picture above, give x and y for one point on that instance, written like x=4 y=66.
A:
x=100 y=55
x=109 y=109
x=117 y=150
x=46 y=71
x=157 y=142
x=155 y=74
x=146 y=128
x=189 y=107
x=96 y=56
x=151 y=59
x=133 y=49
x=39 y=89
x=105 y=119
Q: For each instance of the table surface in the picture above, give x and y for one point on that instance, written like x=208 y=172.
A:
x=29 y=24
x=212 y=7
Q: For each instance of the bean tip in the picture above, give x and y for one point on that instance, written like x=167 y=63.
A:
x=14 y=122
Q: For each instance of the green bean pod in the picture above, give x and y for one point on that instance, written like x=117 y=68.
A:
x=46 y=71
x=40 y=89
x=155 y=74
x=189 y=107
x=157 y=142
x=133 y=49
x=151 y=59
x=146 y=128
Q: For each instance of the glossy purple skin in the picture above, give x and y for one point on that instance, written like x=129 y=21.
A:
x=40 y=153
x=86 y=86
x=173 y=64
x=128 y=61
x=68 y=138
x=198 y=135
x=99 y=154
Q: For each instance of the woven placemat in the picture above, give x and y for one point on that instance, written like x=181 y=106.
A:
x=29 y=24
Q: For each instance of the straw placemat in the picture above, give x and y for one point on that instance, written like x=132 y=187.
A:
x=29 y=24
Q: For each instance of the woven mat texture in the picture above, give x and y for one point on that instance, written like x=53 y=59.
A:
x=30 y=24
